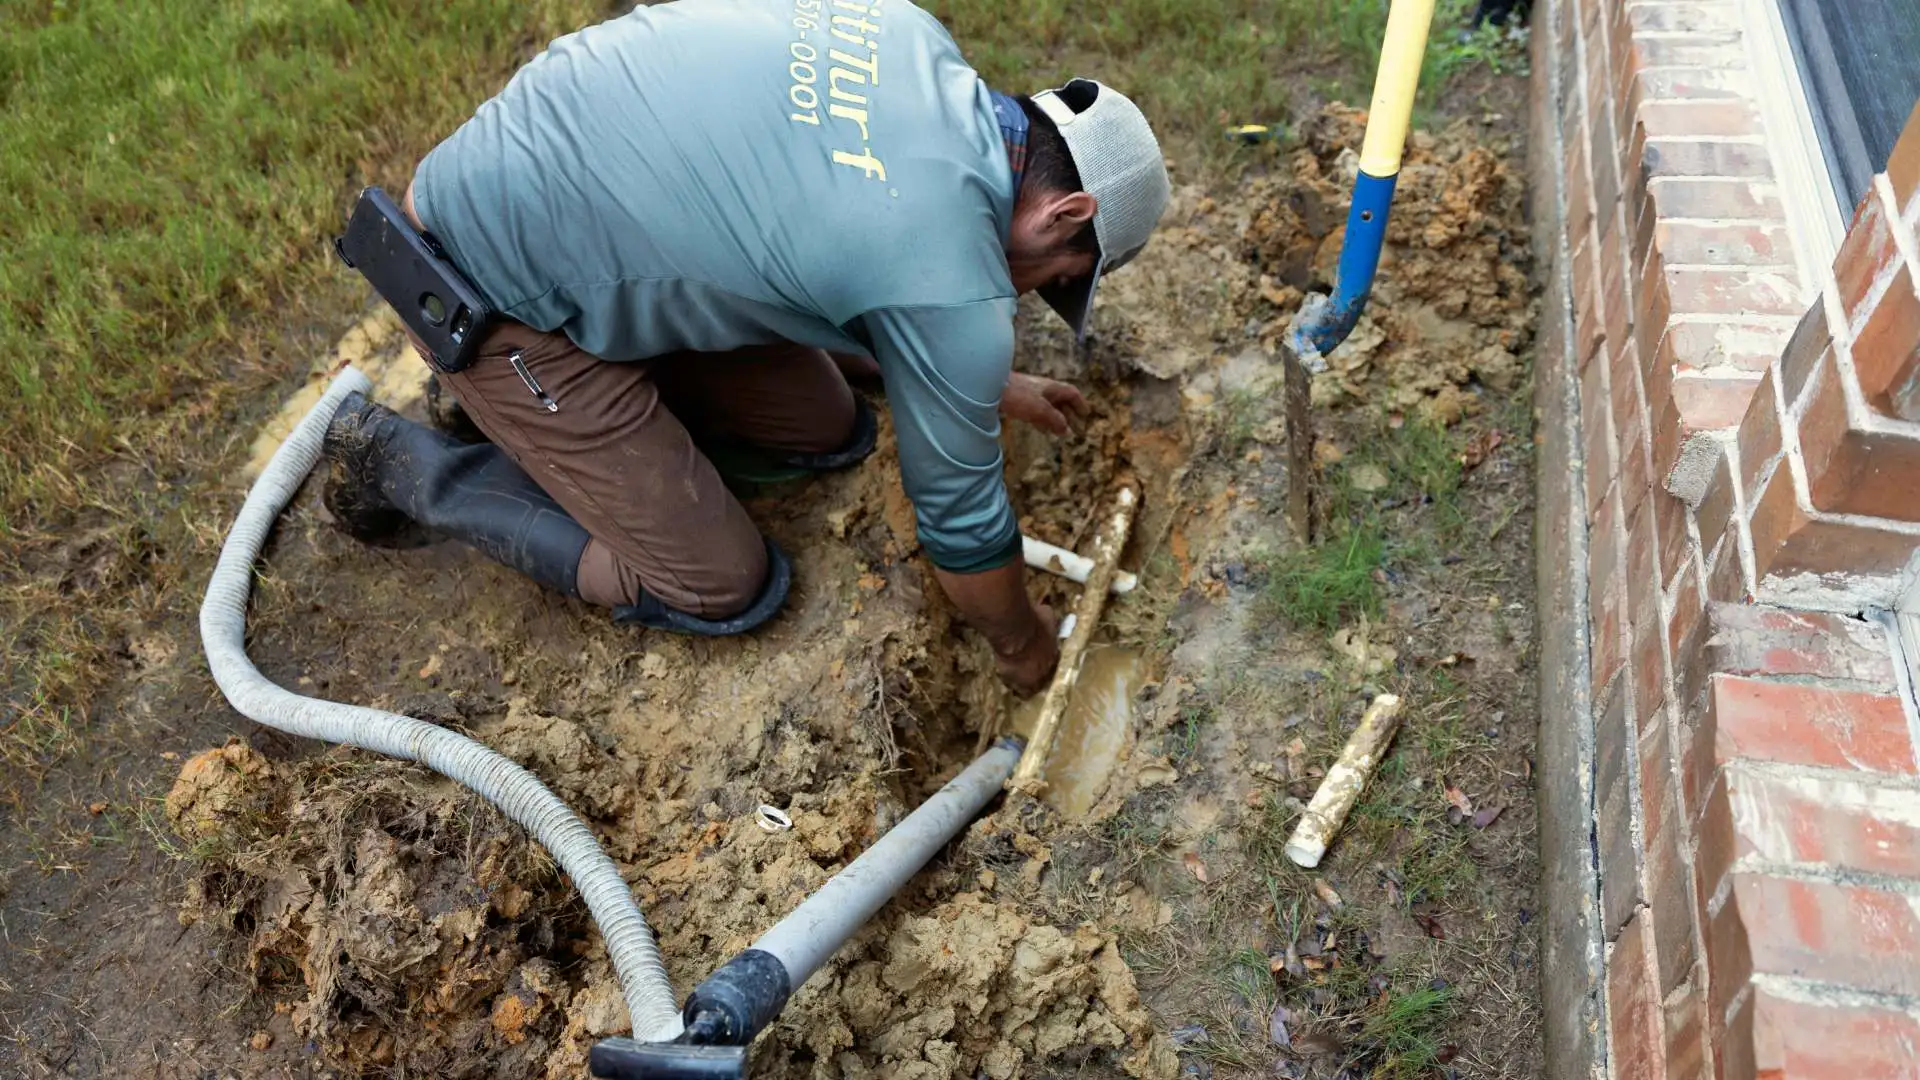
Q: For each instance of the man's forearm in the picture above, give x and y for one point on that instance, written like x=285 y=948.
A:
x=995 y=602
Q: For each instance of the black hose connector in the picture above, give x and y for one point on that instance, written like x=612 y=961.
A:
x=737 y=1001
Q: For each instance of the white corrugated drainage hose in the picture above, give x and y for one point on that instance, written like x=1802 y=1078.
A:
x=514 y=790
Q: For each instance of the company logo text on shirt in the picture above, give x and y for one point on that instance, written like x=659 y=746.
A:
x=853 y=65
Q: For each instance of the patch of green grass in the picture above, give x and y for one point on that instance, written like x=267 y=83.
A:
x=1331 y=584
x=1196 y=66
x=172 y=173
x=1184 y=739
x=1405 y=1028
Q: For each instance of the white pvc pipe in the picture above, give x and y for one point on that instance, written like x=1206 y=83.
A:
x=1058 y=560
x=824 y=921
x=516 y=792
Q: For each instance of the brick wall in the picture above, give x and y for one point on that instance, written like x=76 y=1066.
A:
x=1751 y=452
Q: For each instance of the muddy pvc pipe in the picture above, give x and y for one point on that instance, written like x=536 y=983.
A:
x=516 y=792
x=1041 y=555
x=731 y=1006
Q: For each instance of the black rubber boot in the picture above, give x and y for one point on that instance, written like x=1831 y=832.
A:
x=395 y=482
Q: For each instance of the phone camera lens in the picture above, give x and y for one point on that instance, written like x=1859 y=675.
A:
x=433 y=308
x=462 y=322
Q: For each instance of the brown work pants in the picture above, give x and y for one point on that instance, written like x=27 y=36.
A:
x=618 y=454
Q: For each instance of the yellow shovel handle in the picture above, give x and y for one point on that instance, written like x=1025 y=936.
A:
x=1394 y=85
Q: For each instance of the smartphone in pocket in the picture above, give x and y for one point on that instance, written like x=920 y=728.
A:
x=411 y=272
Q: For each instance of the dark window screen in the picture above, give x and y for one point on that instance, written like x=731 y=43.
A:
x=1860 y=60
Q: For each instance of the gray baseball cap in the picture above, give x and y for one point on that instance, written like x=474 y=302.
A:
x=1120 y=165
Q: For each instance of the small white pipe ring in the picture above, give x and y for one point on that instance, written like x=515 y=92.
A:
x=772 y=819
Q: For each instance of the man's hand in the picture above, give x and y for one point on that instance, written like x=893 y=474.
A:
x=1021 y=632
x=1029 y=669
x=1045 y=403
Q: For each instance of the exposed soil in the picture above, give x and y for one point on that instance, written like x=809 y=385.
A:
x=349 y=916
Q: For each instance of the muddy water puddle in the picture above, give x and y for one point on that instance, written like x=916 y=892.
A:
x=1093 y=732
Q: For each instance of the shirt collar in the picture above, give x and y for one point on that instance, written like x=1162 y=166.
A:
x=1013 y=128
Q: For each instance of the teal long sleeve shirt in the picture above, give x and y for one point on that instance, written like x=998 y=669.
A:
x=705 y=175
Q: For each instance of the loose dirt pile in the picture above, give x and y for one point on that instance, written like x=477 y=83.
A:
x=405 y=929
x=1451 y=310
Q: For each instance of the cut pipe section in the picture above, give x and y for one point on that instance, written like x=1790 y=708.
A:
x=1074 y=567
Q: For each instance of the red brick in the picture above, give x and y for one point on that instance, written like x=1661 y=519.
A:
x=1803 y=350
x=1635 y=1029
x=1747 y=244
x=1588 y=332
x=1670 y=533
x=1717 y=199
x=1690 y=157
x=1620 y=890
x=1872 y=474
x=1606 y=588
x=1670 y=896
x=1759 y=439
x=1838 y=822
x=1773 y=517
x=1760 y=639
x=1685 y=1015
x=1603 y=156
x=1831 y=933
x=1720 y=22
x=1823 y=427
x=1887 y=351
x=1903 y=165
x=1615 y=301
x=1630 y=422
x=1716 y=505
x=1688 y=84
x=1726 y=577
x=1713 y=403
x=1714 y=291
x=1687 y=638
x=1796 y=1039
x=1718 y=841
x=1586 y=266
x=1665 y=119
x=1653 y=309
x=1749 y=346
x=1596 y=430
x=1717 y=52
x=1579 y=187
x=1733 y=1057
x=1643 y=616
x=1830 y=547
x=1867 y=252
x=1802 y=724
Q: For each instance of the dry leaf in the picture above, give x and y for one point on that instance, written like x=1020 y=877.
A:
x=1431 y=924
x=1324 y=891
x=1481 y=447
x=1296 y=759
x=1314 y=963
x=96 y=808
x=1460 y=801
x=1318 y=1044
x=1277 y=1026
x=1487 y=816
x=1195 y=867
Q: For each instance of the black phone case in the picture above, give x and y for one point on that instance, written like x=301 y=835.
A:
x=411 y=272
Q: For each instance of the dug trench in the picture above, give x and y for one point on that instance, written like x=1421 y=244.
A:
x=381 y=921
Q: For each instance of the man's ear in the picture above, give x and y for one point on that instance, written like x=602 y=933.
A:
x=1071 y=214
